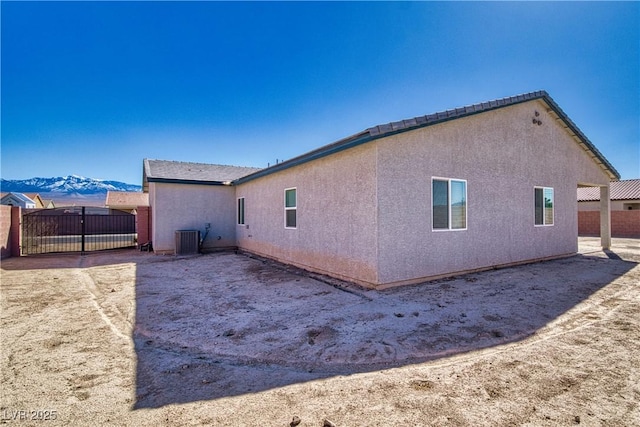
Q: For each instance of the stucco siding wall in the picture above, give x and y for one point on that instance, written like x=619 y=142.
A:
x=502 y=155
x=191 y=207
x=336 y=215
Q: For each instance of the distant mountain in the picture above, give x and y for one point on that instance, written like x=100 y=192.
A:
x=68 y=185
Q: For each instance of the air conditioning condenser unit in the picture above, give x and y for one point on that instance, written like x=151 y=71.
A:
x=187 y=242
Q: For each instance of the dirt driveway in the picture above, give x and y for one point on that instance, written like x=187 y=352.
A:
x=130 y=338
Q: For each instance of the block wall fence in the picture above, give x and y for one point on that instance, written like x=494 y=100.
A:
x=625 y=224
x=5 y=231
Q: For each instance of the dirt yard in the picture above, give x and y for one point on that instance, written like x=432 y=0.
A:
x=131 y=338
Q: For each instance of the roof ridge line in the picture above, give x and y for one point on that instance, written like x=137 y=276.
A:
x=201 y=163
x=472 y=108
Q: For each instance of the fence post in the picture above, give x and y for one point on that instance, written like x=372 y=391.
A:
x=83 y=230
x=143 y=224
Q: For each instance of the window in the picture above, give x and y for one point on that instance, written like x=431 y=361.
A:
x=449 y=204
x=543 y=202
x=290 y=208
x=241 y=211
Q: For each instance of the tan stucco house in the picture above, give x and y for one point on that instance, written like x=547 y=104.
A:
x=624 y=195
x=487 y=185
x=186 y=196
x=40 y=203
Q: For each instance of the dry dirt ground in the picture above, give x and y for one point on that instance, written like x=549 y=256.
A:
x=131 y=338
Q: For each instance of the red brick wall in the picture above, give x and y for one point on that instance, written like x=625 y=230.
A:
x=588 y=223
x=5 y=231
x=143 y=224
x=623 y=223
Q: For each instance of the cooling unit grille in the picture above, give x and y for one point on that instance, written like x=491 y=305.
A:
x=187 y=242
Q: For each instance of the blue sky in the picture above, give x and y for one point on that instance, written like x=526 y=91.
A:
x=92 y=88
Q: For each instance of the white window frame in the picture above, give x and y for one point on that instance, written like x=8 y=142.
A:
x=466 y=204
x=290 y=208
x=240 y=211
x=553 y=207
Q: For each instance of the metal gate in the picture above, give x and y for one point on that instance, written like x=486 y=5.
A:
x=77 y=229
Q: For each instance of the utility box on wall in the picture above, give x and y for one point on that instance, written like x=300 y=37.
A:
x=187 y=242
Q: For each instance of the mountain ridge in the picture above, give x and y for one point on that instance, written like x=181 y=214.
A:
x=67 y=185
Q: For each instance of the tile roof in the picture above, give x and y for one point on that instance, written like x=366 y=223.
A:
x=619 y=190
x=392 y=128
x=170 y=171
x=127 y=198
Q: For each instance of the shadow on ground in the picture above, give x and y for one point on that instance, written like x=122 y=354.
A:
x=73 y=259
x=221 y=325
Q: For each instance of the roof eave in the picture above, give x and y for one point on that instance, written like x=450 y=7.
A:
x=145 y=181
x=188 y=181
x=341 y=145
x=390 y=129
x=581 y=138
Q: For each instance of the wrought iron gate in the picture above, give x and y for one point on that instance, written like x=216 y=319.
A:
x=77 y=229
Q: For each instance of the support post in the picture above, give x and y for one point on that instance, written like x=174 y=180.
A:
x=605 y=217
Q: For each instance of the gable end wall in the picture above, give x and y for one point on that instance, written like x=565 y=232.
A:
x=502 y=155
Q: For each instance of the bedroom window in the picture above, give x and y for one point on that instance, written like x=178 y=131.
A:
x=543 y=205
x=290 y=208
x=241 y=211
x=449 y=204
